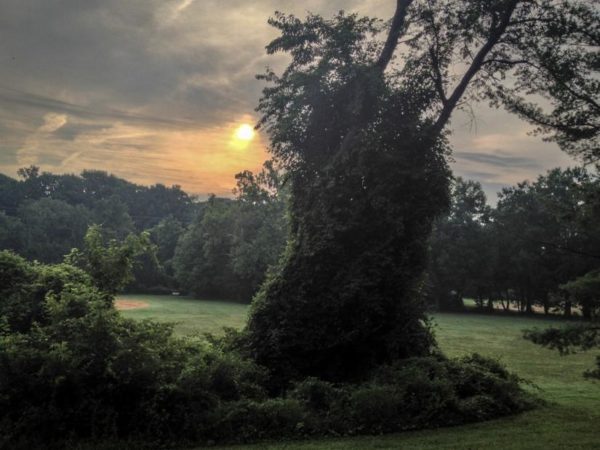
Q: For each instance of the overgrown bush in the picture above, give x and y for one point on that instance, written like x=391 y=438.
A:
x=72 y=369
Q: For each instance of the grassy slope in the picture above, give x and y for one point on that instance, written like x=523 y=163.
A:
x=571 y=419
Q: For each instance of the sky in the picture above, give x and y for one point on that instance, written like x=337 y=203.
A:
x=154 y=91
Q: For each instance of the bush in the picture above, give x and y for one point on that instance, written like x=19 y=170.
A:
x=72 y=369
x=248 y=421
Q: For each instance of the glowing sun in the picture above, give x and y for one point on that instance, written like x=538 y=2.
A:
x=244 y=132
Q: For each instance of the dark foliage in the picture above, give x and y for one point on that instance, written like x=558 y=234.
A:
x=346 y=296
x=227 y=250
x=569 y=340
x=72 y=370
x=540 y=246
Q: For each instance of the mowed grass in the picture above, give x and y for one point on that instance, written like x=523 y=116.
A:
x=190 y=316
x=570 y=420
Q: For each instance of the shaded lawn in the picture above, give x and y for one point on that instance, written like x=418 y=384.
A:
x=571 y=420
x=190 y=316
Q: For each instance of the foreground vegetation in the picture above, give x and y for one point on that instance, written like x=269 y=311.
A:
x=73 y=369
x=569 y=420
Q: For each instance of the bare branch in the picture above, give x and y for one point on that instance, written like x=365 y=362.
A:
x=496 y=33
x=392 y=40
x=437 y=76
x=509 y=62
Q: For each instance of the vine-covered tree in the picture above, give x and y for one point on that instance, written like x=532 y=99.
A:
x=362 y=140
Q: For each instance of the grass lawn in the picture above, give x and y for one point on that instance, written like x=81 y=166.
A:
x=190 y=316
x=571 y=420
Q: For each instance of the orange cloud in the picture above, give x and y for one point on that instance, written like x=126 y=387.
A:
x=201 y=160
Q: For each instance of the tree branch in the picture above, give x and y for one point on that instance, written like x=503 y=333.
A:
x=392 y=40
x=437 y=76
x=496 y=33
x=510 y=62
x=360 y=94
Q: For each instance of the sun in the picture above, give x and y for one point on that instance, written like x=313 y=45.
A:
x=244 y=132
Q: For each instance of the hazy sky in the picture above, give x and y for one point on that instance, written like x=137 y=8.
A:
x=153 y=90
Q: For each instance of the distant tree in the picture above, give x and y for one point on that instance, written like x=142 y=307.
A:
x=29 y=173
x=10 y=196
x=32 y=187
x=547 y=227
x=459 y=252
x=154 y=273
x=165 y=235
x=112 y=213
x=52 y=228
x=45 y=215
x=110 y=262
x=202 y=257
x=12 y=233
x=227 y=251
x=156 y=202
x=585 y=290
x=260 y=230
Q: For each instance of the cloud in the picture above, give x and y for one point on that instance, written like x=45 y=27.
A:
x=150 y=89
x=43 y=103
x=498 y=150
x=499 y=159
x=53 y=122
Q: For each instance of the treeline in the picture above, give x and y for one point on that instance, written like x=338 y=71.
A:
x=44 y=215
x=539 y=248
x=220 y=247
x=228 y=248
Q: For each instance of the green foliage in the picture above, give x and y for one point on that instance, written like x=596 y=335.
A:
x=80 y=371
x=20 y=302
x=110 y=264
x=458 y=248
x=345 y=298
x=52 y=228
x=586 y=289
x=539 y=247
x=419 y=392
x=228 y=249
x=12 y=233
x=570 y=339
x=44 y=216
x=548 y=234
x=201 y=259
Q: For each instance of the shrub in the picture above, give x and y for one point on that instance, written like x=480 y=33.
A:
x=72 y=369
x=247 y=421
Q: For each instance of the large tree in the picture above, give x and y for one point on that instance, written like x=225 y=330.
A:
x=363 y=141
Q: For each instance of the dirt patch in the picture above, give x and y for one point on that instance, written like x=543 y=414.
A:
x=122 y=305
